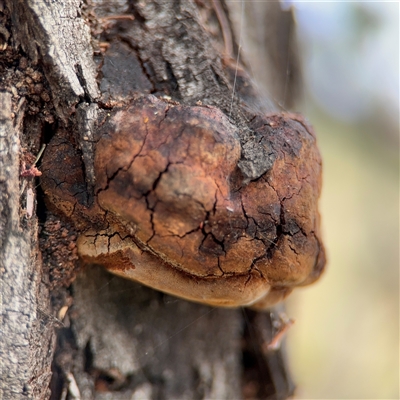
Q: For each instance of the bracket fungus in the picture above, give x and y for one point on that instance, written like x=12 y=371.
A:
x=187 y=203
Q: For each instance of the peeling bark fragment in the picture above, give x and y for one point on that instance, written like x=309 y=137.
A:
x=184 y=204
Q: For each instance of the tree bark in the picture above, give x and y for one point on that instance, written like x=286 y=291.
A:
x=102 y=337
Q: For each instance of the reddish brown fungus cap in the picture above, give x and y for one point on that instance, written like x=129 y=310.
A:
x=189 y=204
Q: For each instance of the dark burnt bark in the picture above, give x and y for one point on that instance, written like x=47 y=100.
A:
x=67 y=68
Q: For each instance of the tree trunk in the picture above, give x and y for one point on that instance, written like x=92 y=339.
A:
x=92 y=335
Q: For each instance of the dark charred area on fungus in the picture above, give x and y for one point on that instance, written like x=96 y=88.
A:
x=63 y=182
x=179 y=188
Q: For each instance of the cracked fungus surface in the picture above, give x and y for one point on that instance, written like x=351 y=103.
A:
x=173 y=206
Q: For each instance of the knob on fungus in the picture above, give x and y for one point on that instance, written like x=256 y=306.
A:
x=187 y=204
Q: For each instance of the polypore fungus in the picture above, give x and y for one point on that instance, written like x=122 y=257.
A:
x=187 y=204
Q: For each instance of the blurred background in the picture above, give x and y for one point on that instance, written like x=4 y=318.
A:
x=345 y=342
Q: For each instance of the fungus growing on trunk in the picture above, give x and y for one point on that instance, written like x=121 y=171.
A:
x=190 y=204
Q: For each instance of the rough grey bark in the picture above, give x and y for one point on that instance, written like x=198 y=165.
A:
x=27 y=338
x=22 y=328
x=118 y=340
